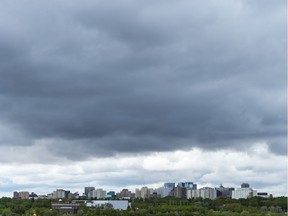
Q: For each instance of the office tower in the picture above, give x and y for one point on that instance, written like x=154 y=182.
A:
x=87 y=190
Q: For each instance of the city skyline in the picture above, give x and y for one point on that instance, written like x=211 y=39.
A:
x=128 y=93
x=181 y=190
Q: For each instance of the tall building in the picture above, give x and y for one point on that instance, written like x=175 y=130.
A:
x=137 y=193
x=60 y=194
x=169 y=185
x=205 y=193
x=23 y=195
x=165 y=190
x=188 y=185
x=145 y=192
x=16 y=195
x=111 y=195
x=124 y=194
x=245 y=185
x=98 y=193
x=87 y=190
x=179 y=192
x=244 y=192
x=224 y=192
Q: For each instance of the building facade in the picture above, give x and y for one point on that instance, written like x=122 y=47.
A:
x=244 y=192
x=87 y=191
x=60 y=194
x=124 y=194
x=188 y=185
x=115 y=204
x=23 y=195
x=205 y=193
x=179 y=192
x=66 y=208
x=223 y=192
x=98 y=194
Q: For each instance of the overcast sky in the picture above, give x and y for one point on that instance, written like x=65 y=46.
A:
x=127 y=93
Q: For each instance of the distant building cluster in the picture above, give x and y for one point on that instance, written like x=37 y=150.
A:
x=181 y=190
x=99 y=198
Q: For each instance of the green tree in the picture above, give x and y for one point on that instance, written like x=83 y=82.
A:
x=7 y=212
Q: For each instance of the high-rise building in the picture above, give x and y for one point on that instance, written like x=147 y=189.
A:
x=87 y=190
x=205 y=193
x=169 y=185
x=188 y=185
x=145 y=192
x=137 y=193
x=23 y=195
x=165 y=190
x=98 y=193
x=179 y=192
x=111 y=195
x=16 y=195
x=124 y=194
x=60 y=194
x=224 y=192
x=245 y=185
x=244 y=192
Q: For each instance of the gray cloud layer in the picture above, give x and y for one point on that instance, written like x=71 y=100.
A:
x=129 y=76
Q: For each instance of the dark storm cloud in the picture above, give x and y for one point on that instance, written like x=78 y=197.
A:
x=103 y=78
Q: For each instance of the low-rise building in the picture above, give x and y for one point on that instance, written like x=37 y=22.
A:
x=263 y=194
x=65 y=208
x=115 y=204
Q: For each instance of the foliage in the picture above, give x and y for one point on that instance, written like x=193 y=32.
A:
x=165 y=206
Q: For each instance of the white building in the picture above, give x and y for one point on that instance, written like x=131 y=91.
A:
x=205 y=193
x=98 y=193
x=145 y=192
x=58 y=194
x=163 y=192
x=116 y=204
x=244 y=192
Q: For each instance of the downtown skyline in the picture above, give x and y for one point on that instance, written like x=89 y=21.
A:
x=121 y=94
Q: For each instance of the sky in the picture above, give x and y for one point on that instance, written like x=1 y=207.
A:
x=129 y=93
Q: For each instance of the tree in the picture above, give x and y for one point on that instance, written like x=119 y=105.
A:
x=7 y=212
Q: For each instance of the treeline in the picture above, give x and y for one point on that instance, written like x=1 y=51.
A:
x=163 y=206
x=253 y=206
